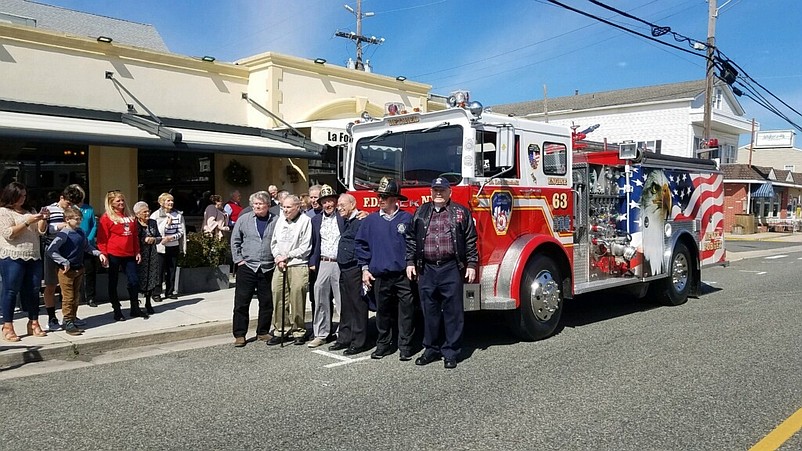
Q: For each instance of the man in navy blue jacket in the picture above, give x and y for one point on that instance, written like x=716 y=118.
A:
x=382 y=235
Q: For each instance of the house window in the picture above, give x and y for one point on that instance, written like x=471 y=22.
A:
x=650 y=146
x=717 y=99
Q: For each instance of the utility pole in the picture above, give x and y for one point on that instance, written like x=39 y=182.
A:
x=711 y=45
x=357 y=37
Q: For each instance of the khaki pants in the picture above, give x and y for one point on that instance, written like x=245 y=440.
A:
x=294 y=303
x=70 y=283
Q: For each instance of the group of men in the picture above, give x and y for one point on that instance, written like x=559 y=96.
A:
x=337 y=253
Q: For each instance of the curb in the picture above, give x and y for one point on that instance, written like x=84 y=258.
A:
x=14 y=357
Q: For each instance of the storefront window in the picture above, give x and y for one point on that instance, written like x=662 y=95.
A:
x=188 y=176
x=45 y=168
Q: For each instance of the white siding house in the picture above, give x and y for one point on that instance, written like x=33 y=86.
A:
x=667 y=119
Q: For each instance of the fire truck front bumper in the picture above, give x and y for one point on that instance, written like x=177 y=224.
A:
x=473 y=299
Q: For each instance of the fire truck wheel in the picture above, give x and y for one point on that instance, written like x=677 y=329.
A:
x=675 y=288
x=541 y=300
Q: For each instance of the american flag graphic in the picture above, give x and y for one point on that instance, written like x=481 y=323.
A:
x=693 y=196
x=700 y=196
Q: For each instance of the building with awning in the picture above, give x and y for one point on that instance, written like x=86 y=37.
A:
x=763 y=196
x=102 y=102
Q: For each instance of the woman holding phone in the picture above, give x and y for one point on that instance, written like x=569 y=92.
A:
x=20 y=260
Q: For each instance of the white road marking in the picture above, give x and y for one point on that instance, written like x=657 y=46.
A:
x=776 y=256
x=759 y=273
x=709 y=283
x=332 y=365
x=343 y=360
x=329 y=354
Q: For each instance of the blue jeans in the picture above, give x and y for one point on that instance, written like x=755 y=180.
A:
x=128 y=266
x=20 y=277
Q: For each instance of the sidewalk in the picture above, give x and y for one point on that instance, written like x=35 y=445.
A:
x=194 y=316
x=189 y=316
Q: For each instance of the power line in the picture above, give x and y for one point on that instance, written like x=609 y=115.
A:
x=620 y=27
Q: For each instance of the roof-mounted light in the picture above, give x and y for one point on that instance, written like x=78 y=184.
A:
x=366 y=116
x=475 y=108
x=458 y=99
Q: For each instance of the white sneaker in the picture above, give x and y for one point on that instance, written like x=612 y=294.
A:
x=79 y=322
x=53 y=325
x=316 y=342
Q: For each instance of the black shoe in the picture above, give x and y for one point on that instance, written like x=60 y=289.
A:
x=299 y=341
x=136 y=314
x=172 y=296
x=149 y=309
x=449 y=364
x=157 y=298
x=379 y=354
x=92 y=303
x=337 y=346
x=405 y=356
x=354 y=351
x=277 y=340
x=427 y=358
x=118 y=316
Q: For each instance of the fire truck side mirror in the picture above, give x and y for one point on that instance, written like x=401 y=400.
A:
x=330 y=154
x=505 y=147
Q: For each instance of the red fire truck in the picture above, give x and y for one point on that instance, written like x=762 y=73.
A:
x=556 y=217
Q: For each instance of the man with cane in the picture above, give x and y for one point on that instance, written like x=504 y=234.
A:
x=290 y=245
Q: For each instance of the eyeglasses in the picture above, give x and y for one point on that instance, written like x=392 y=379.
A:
x=113 y=191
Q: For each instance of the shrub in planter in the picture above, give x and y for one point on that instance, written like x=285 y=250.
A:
x=199 y=268
x=203 y=251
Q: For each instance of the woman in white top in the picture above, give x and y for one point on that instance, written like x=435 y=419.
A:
x=20 y=260
x=173 y=231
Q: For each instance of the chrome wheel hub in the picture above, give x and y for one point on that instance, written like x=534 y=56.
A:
x=545 y=296
x=679 y=272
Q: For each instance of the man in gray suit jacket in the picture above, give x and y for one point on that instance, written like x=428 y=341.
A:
x=254 y=263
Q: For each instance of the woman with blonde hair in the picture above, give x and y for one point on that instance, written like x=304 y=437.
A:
x=118 y=240
x=173 y=231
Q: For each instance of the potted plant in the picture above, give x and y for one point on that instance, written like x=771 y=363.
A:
x=202 y=268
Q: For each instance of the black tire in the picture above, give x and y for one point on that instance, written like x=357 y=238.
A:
x=541 y=300
x=675 y=288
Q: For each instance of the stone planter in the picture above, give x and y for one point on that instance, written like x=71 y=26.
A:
x=201 y=280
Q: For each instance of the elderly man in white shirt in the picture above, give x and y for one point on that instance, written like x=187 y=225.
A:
x=291 y=245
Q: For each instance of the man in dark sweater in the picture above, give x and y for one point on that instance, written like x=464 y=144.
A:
x=352 y=335
x=383 y=235
x=67 y=251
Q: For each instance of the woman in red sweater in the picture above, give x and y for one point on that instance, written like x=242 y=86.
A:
x=118 y=240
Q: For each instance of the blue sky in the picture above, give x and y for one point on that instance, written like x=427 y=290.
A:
x=502 y=51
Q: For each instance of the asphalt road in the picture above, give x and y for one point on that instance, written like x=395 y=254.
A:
x=717 y=373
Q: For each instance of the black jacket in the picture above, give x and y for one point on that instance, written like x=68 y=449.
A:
x=464 y=235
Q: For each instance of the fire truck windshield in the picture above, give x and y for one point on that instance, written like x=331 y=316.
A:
x=414 y=158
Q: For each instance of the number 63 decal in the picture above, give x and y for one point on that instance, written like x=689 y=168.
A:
x=559 y=201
